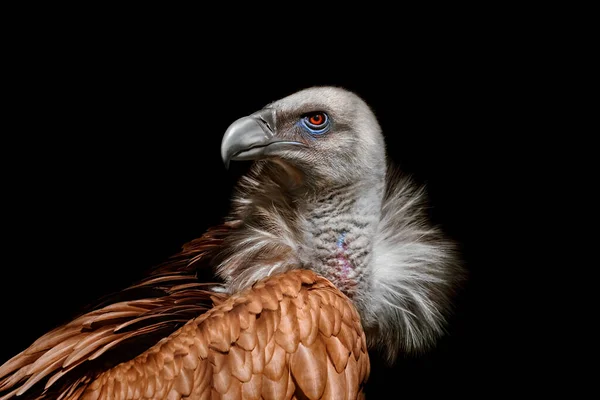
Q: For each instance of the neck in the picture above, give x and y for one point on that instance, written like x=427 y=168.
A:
x=284 y=227
x=339 y=226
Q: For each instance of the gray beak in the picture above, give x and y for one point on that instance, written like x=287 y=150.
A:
x=253 y=137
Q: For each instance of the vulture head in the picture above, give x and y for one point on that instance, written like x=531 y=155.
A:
x=321 y=196
x=329 y=135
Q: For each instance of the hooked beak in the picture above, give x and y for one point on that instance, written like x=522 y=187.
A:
x=253 y=137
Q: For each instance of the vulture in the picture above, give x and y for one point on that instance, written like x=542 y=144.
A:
x=327 y=252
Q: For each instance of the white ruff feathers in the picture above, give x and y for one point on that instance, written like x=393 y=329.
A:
x=414 y=272
x=410 y=277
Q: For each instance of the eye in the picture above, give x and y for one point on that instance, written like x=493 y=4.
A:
x=316 y=123
x=316 y=119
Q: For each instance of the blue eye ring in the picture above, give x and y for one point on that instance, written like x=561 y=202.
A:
x=316 y=123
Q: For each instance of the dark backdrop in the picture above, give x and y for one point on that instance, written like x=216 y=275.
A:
x=112 y=163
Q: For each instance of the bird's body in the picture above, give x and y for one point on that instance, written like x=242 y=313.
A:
x=320 y=197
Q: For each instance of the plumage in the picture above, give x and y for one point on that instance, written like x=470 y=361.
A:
x=326 y=251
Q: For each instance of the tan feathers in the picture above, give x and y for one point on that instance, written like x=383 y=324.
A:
x=241 y=349
x=293 y=335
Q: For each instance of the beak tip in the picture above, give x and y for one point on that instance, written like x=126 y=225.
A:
x=226 y=154
x=247 y=137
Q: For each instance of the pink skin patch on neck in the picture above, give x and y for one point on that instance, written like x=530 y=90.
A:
x=342 y=257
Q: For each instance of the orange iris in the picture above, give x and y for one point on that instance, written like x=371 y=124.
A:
x=316 y=119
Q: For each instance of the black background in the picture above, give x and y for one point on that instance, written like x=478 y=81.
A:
x=111 y=163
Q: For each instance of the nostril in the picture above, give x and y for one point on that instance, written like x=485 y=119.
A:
x=266 y=124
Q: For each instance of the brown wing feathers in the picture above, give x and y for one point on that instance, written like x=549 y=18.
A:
x=290 y=336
